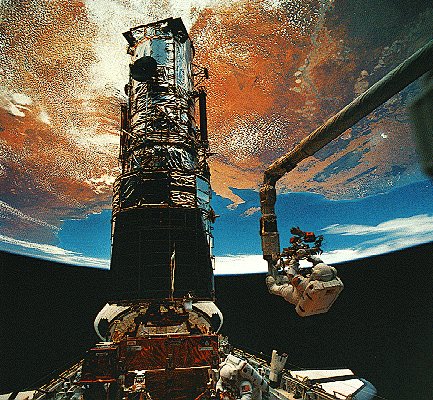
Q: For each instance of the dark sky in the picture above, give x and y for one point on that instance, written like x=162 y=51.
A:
x=380 y=326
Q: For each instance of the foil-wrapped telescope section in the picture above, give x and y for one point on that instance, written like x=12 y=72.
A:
x=161 y=230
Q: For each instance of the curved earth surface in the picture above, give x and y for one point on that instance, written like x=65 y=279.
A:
x=279 y=68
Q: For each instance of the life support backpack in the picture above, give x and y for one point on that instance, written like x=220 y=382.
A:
x=319 y=294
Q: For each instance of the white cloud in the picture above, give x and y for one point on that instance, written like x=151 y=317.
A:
x=240 y=264
x=44 y=117
x=21 y=99
x=103 y=183
x=7 y=211
x=52 y=253
x=110 y=47
x=14 y=103
x=184 y=8
x=13 y=109
x=254 y=264
x=337 y=256
x=394 y=235
x=250 y=211
x=418 y=228
x=383 y=238
x=104 y=142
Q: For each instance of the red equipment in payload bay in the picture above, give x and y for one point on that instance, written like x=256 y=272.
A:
x=179 y=364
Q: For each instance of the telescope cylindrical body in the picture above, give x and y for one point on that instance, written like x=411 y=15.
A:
x=161 y=233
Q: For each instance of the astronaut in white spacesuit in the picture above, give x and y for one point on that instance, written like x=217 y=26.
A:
x=292 y=285
x=238 y=379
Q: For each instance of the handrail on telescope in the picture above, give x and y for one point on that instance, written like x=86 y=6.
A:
x=392 y=83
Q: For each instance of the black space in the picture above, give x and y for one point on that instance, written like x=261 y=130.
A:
x=381 y=325
x=378 y=22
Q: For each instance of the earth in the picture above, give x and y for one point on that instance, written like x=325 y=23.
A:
x=278 y=70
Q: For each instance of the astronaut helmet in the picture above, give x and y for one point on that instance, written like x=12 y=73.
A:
x=323 y=272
